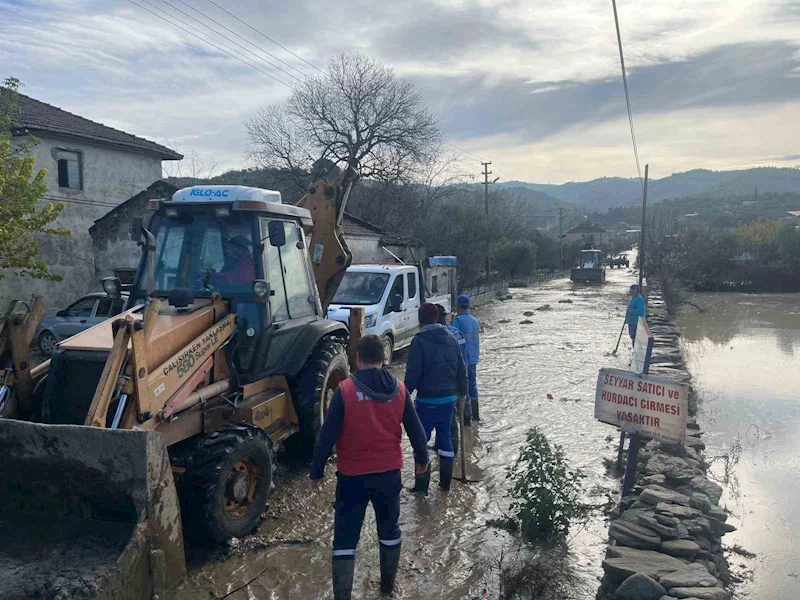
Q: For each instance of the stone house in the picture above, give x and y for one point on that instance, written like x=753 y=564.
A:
x=588 y=233
x=91 y=168
x=115 y=253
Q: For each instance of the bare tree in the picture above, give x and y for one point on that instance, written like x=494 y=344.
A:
x=358 y=114
x=192 y=168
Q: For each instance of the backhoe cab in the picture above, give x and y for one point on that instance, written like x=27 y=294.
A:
x=223 y=349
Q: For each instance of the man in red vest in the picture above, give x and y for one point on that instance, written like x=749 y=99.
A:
x=364 y=422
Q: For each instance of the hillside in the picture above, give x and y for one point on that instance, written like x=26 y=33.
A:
x=608 y=192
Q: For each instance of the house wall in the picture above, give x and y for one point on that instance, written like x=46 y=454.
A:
x=368 y=249
x=110 y=177
x=597 y=239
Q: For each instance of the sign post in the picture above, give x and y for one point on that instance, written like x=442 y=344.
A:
x=642 y=348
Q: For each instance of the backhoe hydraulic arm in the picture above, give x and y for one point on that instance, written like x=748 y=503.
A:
x=330 y=256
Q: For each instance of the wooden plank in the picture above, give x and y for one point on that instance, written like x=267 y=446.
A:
x=96 y=417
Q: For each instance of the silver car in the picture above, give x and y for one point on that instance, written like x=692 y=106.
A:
x=78 y=316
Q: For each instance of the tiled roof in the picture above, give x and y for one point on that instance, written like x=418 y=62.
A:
x=40 y=116
x=587 y=227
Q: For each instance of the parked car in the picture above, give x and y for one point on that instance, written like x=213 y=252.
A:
x=78 y=316
x=390 y=296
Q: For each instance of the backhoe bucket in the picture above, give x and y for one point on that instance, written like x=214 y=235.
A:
x=86 y=513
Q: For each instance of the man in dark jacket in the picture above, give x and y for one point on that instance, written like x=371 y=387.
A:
x=436 y=370
x=364 y=422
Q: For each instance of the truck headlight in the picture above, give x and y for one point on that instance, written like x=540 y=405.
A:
x=370 y=320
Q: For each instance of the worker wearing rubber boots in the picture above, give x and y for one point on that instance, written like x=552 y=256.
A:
x=364 y=422
x=636 y=309
x=436 y=370
x=471 y=330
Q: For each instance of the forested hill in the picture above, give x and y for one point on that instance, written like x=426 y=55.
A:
x=608 y=192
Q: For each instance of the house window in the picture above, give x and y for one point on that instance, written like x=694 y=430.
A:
x=70 y=169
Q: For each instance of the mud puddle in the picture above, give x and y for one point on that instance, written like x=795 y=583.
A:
x=447 y=548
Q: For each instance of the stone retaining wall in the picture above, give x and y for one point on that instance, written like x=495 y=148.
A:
x=666 y=542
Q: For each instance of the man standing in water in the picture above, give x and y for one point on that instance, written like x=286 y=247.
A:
x=470 y=329
x=636 y=309
x=436 y=370
x=364 y=422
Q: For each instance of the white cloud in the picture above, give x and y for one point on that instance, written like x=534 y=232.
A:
x=115 y=63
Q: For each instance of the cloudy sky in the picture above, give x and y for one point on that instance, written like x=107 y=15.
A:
x=533 y=86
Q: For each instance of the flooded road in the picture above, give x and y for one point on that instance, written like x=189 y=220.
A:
x=744 y=356
x=447 y=546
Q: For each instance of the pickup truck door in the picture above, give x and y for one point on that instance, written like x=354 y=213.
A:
x=411 y=306
x=397 y=319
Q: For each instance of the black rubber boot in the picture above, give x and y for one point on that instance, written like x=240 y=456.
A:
x=342 y=578
x=474 y=405
x=390 y=560
x=445 y=474
x=422 y=482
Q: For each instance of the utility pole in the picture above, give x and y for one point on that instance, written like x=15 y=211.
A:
x=560 y=238
x=644 y=224
x=486 y=173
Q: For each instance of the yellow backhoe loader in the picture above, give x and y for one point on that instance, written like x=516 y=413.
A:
x=160 y=424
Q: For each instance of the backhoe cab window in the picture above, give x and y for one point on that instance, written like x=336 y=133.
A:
x=203 y=253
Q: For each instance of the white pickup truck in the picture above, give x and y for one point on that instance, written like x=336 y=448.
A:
x=390 y=296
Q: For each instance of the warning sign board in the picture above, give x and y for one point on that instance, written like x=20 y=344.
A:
x=654 y=407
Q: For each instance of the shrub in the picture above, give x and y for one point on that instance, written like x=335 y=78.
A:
x=545 y=493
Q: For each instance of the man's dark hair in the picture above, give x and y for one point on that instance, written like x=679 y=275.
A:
x=370 y=350
x=442 y=314
x=428 y=314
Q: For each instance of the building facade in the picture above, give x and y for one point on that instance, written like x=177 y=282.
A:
x=588 y=233
x=91 y=168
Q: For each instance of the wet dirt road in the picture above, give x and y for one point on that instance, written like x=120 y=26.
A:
x=447 y=546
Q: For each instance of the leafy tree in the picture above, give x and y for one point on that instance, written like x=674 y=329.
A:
x=21 y=191
x=516 y=258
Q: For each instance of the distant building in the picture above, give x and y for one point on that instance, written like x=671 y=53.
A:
x=588 y=233
x=115 y=254
x=91 y=168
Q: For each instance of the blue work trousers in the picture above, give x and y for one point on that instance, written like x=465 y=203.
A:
x=472 y=377
x=353 y=494
x=440 y=418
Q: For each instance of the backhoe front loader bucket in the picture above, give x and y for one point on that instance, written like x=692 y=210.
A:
x=86 y=513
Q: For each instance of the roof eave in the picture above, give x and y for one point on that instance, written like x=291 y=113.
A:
x=161 y=152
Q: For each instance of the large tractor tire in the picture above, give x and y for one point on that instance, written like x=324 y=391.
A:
x=312 y=391
x=228 y=477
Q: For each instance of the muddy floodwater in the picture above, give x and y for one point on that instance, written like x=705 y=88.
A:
x=447 y=546
x=744 y=355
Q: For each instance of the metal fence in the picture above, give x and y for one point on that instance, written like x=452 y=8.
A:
x=480 y=294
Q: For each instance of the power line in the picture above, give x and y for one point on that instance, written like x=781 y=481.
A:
x=627 y=95
x=215 y=32
x=234 y=56
x=265 y=36
x=234 y=42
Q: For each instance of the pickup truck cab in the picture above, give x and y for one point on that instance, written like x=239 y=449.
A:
x=390 y=296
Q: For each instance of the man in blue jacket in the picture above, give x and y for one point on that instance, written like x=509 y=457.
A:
x=470 y=329
x=462 y=344
x=436 y=370
x=364 y=421
x=636 y=309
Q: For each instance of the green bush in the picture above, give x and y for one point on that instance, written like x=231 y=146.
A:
x=545 y=492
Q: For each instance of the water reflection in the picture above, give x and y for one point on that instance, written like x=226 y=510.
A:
x=741 y=355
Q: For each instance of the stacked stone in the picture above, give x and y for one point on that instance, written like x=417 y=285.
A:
x=666 y=543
